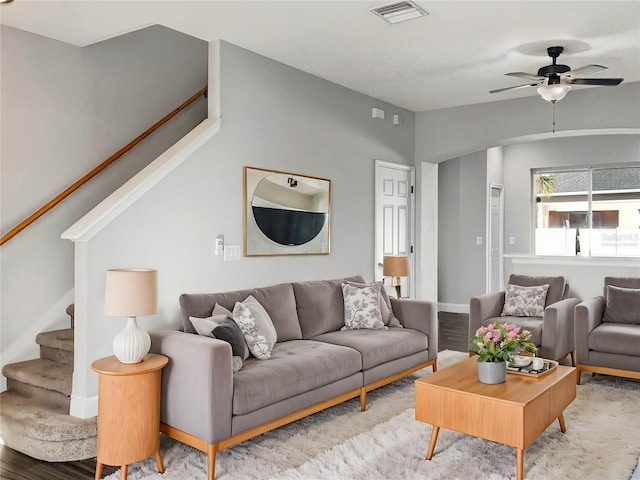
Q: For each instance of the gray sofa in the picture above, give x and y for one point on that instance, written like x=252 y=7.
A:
x=552 y=333
x=608 y=330
x=314 y=364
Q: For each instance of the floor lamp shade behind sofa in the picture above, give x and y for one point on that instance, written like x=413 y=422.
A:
x=131 y=293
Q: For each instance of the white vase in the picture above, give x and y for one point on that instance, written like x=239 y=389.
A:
x=492 y=372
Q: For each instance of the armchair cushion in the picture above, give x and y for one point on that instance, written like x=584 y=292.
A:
x=622 y=305
x=556 y=290
x=525 y=301
x=616 y=338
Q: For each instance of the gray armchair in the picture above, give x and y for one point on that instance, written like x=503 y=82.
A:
x=607 y=330
x=552 y=333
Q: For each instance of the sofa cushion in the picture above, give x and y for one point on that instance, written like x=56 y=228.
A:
x=524 y=301
x=320 y=305
x=295 y=367
x=256 y=327
x=622 y=305
x=379 y=346
x=556 y=290
x=362 y=306
x=617 y=338
x=533 y=324
x=277 y=300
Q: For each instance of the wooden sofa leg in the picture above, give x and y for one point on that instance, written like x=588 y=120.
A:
x=435 y=365
x=363 y=399
x=573 y=358
x=212 y=449
x=578 y=374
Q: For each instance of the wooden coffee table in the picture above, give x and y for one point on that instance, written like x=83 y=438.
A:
x=513 y=413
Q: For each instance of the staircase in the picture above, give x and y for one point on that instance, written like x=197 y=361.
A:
x=34 y=411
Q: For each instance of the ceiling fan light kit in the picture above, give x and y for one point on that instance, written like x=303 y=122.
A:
x=553 y=93
x=554 y=81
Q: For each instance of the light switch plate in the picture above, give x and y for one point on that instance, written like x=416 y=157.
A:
x=232 y=252
x=478 y=240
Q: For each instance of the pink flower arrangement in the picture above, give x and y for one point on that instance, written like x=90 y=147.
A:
x=497 y=342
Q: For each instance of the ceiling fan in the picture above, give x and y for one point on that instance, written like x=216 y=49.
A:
x=555 y=80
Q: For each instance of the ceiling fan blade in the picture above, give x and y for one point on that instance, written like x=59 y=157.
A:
x=513 y=88
x=595 y=81
x=586 y=70
x=530 y=76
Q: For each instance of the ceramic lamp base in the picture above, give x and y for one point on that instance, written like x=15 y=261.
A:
x=131 y=344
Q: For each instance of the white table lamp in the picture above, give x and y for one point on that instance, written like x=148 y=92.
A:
x=131 y=293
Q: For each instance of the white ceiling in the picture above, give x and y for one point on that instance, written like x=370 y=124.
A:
x=451 y=57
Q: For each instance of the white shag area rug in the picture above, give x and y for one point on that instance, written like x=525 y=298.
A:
x=386 y=442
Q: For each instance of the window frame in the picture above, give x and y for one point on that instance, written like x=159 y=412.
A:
x=574 y=168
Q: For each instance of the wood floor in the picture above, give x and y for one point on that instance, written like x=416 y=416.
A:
x=453 y=332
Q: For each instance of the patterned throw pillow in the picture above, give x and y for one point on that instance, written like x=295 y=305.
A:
x=362 y=306
x=525 y=301
x=257 y=327
x=385 y=305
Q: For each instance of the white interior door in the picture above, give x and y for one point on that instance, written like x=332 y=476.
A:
x=395 y=218
x=495 y=244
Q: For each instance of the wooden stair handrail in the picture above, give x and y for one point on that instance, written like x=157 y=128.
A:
x=80 y=182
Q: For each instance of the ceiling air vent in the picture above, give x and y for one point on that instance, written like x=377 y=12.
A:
x=399 y=11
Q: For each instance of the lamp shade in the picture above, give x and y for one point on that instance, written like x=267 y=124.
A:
x=395 y=266
x=131 y=292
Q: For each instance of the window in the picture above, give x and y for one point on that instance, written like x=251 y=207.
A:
x=588 y=211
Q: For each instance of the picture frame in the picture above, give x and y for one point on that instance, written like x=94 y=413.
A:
x=286 y=213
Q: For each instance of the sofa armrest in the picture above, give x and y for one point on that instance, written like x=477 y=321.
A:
x=557 y=329
x=483 y=307
x=197 y=384
x=587 y=316
x=419 y=315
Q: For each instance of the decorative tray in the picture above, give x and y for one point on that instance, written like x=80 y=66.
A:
x=528 y=371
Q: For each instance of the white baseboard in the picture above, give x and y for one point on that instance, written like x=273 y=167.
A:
x=83 y=407
x=453 y=307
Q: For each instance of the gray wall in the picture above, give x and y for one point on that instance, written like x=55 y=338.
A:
x=64 y=110
x=274 y=117
x=461 y=219
x=449 y=133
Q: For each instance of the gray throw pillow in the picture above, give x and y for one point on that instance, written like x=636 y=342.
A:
x=231 y=333
x=622 y=305
x=362 y=306
x=524 y=301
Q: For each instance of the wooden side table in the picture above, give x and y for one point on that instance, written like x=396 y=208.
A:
x=128 y=411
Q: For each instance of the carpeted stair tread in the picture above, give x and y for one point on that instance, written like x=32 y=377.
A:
x=42 y=373
x=44 y=423
x=61 y=339
x=45 y=433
